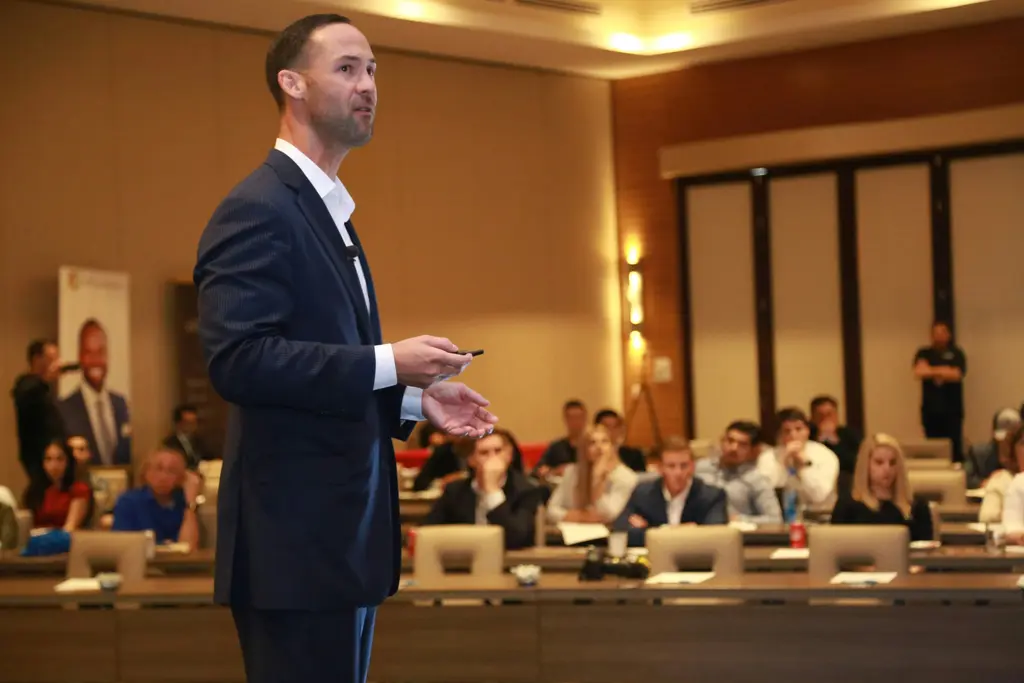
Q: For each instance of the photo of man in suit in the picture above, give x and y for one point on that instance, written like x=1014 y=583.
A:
x=94 y=411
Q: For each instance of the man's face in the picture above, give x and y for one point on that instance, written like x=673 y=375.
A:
x=793 y=430
x=189 y=423
x=575 y=420
x=166 y=472
x=941 y=335
x=92 y=356
x=677 y=469
x=736 y=448
x=614 y=426
x=493 y=446
x=47 y=363
x=338 y=85
x=825 y=413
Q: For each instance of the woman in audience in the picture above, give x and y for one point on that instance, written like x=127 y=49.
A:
x=1011 y=458
x=597 y=486
x=1013 y=499
x=881 y=493
x=59 y=501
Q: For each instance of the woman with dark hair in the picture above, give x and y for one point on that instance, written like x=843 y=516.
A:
x=58 y=501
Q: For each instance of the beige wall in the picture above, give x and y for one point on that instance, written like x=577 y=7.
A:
x=987 y=219
x=491 y=188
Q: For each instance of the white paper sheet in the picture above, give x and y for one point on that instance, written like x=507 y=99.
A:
x=674 y=578
x=575 y=532
x=1020 y=582
x=791 y=553
x=1015 y=550
x=743 y=526
x=174 y=548
x=862 y=578
x=976 y=526
x=77 y=585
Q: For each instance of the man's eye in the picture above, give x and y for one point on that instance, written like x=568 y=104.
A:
x=344 y=68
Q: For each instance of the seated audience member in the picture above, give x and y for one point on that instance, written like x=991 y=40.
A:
x=165 y=501
x=842 y=440
x=496 y=494
x=881 y=494
x=811 y=467
x=633 y=458
x=984 y=459
x=186 y=437
x=60 y=501
x=563 y=451
x=1011 y=456
x=596 y=487
x=732 y=468
x=676 y=497
x=449 y=461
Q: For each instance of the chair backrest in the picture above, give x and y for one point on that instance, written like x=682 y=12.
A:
x=886 y=546
x=123 y=550
x=949 y=487
x=210 y=469
x=25 y=520
x=928 y=464
x=482 y=546
x=668 y=547
x=941 y=449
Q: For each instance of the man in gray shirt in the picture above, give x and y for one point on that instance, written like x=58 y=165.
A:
x=734 y=468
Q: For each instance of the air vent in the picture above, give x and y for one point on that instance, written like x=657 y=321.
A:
x=705 y=6
x=576 y=6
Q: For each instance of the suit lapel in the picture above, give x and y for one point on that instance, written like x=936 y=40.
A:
x=326 y=231
x=658 y=504
x=691 y=508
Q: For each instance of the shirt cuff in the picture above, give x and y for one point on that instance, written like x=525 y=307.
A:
x=493 y=499
x=412 y=404
x=385 y=374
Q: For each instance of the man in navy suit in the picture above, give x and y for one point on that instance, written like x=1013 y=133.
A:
x=94 y=412
x=309 y=539
x=676 y=497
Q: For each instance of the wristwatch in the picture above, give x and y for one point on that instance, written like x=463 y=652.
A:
x=197 y=503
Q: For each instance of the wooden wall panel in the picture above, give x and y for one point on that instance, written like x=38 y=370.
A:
x=929 y=73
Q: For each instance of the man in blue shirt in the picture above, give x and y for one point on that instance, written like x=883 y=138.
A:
x=165 y=503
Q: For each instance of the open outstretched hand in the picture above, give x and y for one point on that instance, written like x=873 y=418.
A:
x=458 y=410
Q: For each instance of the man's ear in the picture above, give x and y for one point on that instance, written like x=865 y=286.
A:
x=292 y=83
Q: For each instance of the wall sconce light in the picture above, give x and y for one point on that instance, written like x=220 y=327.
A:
x=635 y=299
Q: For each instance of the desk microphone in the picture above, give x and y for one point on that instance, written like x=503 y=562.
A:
x=352 y=251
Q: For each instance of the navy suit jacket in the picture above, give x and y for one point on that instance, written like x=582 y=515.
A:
x=705 y=504
x=76 y=423
x=308 y=501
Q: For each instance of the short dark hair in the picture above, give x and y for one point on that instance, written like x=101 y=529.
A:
x=573 y=403
x=824 y=399
x=90 y=324
x=180 y=410
x=790 y=414
x=750 y=429
x=37 y=347
x=606 y=412
x=290 y=45
x=672 y=444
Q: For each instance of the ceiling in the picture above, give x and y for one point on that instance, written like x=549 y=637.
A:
x=599 y=38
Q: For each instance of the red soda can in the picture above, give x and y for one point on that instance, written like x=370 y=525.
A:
x=797 y=535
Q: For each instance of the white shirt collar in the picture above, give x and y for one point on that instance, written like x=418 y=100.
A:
x=91 y=395
x=682 y=495
x=322 y=183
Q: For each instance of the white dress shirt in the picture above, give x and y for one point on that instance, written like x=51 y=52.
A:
x=815 y=482
x=341 y=206
x=675 y=504
x=101 y=419
x=485 y=502
x=1013 y=505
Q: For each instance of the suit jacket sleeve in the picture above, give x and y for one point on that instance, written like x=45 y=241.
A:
x=517 y=518
x=439 y=510
x=243 y=276
x=636 y=538
x=391 y=411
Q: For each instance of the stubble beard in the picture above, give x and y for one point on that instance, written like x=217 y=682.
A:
x=344 y=131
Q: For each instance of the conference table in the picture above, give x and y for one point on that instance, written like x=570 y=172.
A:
x=941 y=628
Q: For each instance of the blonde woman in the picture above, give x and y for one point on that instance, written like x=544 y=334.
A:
x=1011 y=460
x=881 y=493
x=596 y=487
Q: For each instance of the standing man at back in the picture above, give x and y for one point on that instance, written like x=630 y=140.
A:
x=941 y=368
x=309 y=539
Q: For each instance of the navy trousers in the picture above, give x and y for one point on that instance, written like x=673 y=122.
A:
x=283 y=646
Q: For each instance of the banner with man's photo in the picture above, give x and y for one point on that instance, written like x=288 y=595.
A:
x=93 y=331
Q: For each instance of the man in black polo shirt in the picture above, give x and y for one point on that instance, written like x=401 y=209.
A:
x=941 y=368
